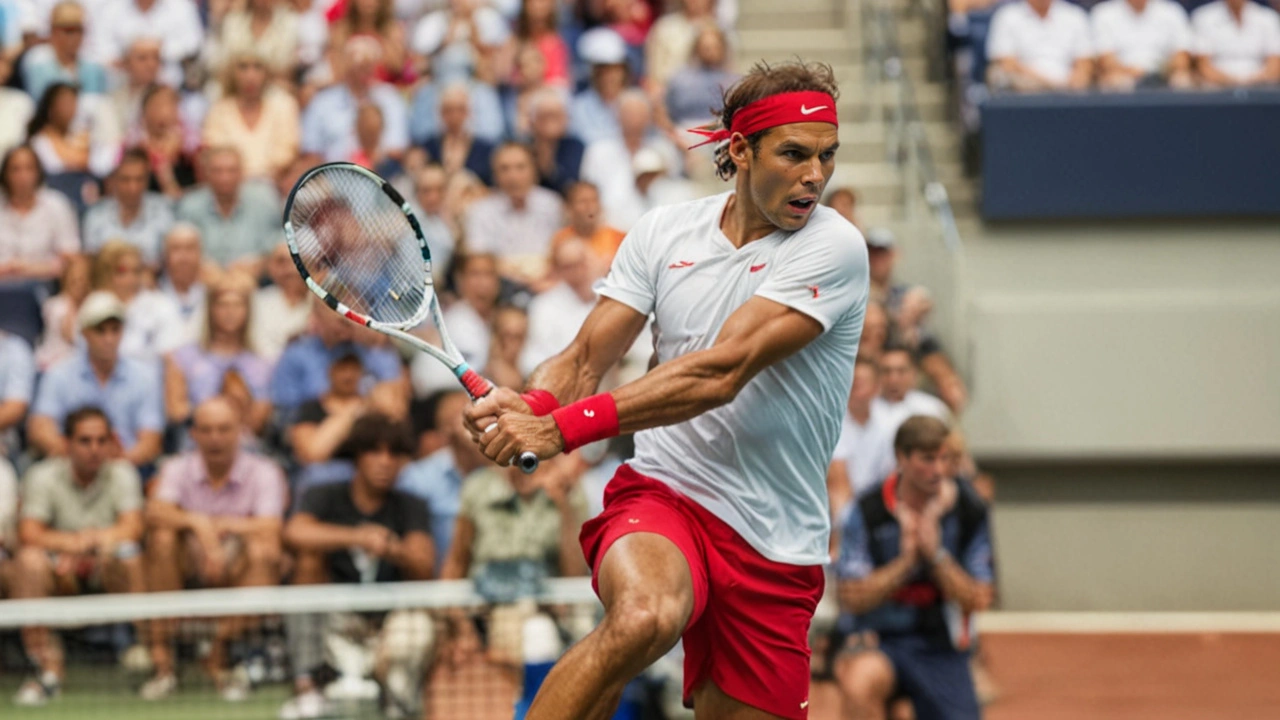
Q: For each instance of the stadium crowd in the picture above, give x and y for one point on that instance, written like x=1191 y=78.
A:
x=176 y=413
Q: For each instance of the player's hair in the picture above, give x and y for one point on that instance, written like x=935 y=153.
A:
x=920 y=432
x=765 y=80
x=79 y=415
x=375 y=431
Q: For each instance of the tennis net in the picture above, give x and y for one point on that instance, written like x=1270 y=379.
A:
x=409 y=650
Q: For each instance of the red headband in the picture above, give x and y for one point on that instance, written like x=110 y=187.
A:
x=775 y=110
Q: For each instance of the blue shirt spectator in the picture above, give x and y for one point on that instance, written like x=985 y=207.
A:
x=591 y=118
x=130 y=213
x=17 y=383
x=239 y=221
x=60 y=60
x=329 y=122
x=302 y=373
x=486 y=112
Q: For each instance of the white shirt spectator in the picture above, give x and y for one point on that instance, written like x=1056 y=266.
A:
x=915 y=402
x=554 y=319
x=1239 y=50
x=153 y=326
x=274 y=322
x=606 y=164
x=495 y=225
x=48 y=230
x=176 y=23
x=451 y=48
x=16 y=109
x=867 y=451
x=1146 y=40
x=1049 y=46
x=329 y=122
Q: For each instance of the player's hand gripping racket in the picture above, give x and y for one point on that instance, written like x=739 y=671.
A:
x=359 y=248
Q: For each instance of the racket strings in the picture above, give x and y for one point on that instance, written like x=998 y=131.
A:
x=357 y=244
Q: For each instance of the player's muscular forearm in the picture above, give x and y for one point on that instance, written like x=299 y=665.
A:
x=870 y=592
x=605 y=336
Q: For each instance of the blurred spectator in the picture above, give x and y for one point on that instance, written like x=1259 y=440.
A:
x=915 y=560
x=181 y=279
x=201 y=370
x=1040 y=45
x=265 y=29
x=80 y=530
x=899 y=399
x=864 y=454
x=214 y=516
x=438 y=478
x=61 y=330
x=1142 y=42
x=16 y=109
x=526 y=81
x=593 y=114
x=657 y=182
x=61 y=59
x=8 y=515
x=510 y=331
x=129 y=212
x=469 y=317
x=428 y=192
x=461 y=190
x=485 y=120
x=456 y=148
x=176 y=23
x=698 y=87
x=875 y=331
x=362 y=531
x=586 y=224
x=1237 y=43
x=606 y=160
x=537 y=27
x=516 y=222
x=161 y=133
x=312 y=30
x=37 y=225
x=557 y=155
x=17 y=385
x=280 y=310
x=671 y=41
x=844 y=200
x=374 y=19
x=556 y=315
x=302 y=372
x=153 y=324
x=329 y=121
x=631 y=20
x=128 y=391
x=460 y=40
x=73 y=134
x=140 y=69
x=241 y=221
x=254 y=116
x=369 y=152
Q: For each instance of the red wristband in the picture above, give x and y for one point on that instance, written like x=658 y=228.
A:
x=540 y=402
x=586 y=421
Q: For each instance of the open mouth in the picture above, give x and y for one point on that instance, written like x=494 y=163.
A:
x=802 y=205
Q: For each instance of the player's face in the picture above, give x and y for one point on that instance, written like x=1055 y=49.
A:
x=788 y=174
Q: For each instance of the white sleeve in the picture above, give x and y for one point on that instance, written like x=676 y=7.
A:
x=633 y=276
x=1082 y=46
x=1000 y=41
x=1182 y=39
x=1201 y=42
x=822 y=276
x=1104 y=39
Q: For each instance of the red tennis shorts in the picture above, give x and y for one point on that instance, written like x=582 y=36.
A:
x=749 y=632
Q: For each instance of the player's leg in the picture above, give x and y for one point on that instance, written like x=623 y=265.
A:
x=647 y=589
x=866 y=680
x=711 y=703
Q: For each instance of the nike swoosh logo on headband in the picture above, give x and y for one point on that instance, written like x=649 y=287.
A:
x=809 y=111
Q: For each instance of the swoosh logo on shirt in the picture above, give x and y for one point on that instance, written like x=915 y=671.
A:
x=813 y=289
x=811 y=110
x=680 y=265
x=758 y=268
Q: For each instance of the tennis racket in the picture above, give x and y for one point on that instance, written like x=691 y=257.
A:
x=360 y=249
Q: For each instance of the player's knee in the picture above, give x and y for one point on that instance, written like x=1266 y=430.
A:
x=648 y=624
x=865 y=678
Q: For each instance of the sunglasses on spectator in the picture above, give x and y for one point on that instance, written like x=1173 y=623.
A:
x=70 y=29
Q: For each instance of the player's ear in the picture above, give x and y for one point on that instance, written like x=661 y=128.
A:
x=740 y=151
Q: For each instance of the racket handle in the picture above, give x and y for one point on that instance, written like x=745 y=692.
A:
x=528 y=462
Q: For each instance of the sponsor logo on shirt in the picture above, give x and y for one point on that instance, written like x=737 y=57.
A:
x=758 y=268
x=680 y=265
x=813 y=289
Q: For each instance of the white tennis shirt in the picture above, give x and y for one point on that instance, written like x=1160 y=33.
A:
x=760 y=462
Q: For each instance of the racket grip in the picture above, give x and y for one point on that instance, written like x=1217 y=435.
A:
x=528 y=462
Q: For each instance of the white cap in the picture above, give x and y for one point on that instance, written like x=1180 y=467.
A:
x=602 y=46
x=647 y=160
x=99 y=307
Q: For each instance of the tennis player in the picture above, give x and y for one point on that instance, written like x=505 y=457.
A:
x=717 y=530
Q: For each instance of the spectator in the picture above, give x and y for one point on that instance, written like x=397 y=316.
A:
x=130 y=212
x=329 y=122
x=1142 y=42
x=363 y=531
x=162 y=135
x=695 y=89
x=302 y=373
x=374 y=19
x=1040 y=45
x=556 y=154
x=17 y=383
x=282 y=309
x=672 y=39
x=176 y=23
x=461 y=190
x=37 y=225
x=506 y=346
x=456 y=148
x=313 y=31
x=864 y=453
x=438 y=478
x=469 y=319
x=586 y=224
x=517 y=222
x=875 y=331
x=242 y=220
x=214 y=517
x=1237 y=43
x=182 y=276
x=8 y=515
x=72 y=134
x=59 y=312
x=620 y=194
x=460 y=40
x=264 y=29
x=204 y=369
x=140 y=67
x=127 y=390
x=899 y=399
x=254 y=116
x=428 y=192
x=593 y=114
x=369 y=152
x=525 y=81
x=556 y=315
x=153 y=324
x=911 y=555
x=844 y=200
x=16 y=109
x=81 y=524
x=485 y=120
x=61 y=59
x=656 y=181
x=537 y=27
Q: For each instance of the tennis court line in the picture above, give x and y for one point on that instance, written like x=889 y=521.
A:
x=1128 y=622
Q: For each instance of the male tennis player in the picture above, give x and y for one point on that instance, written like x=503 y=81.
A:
x=717 y=530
